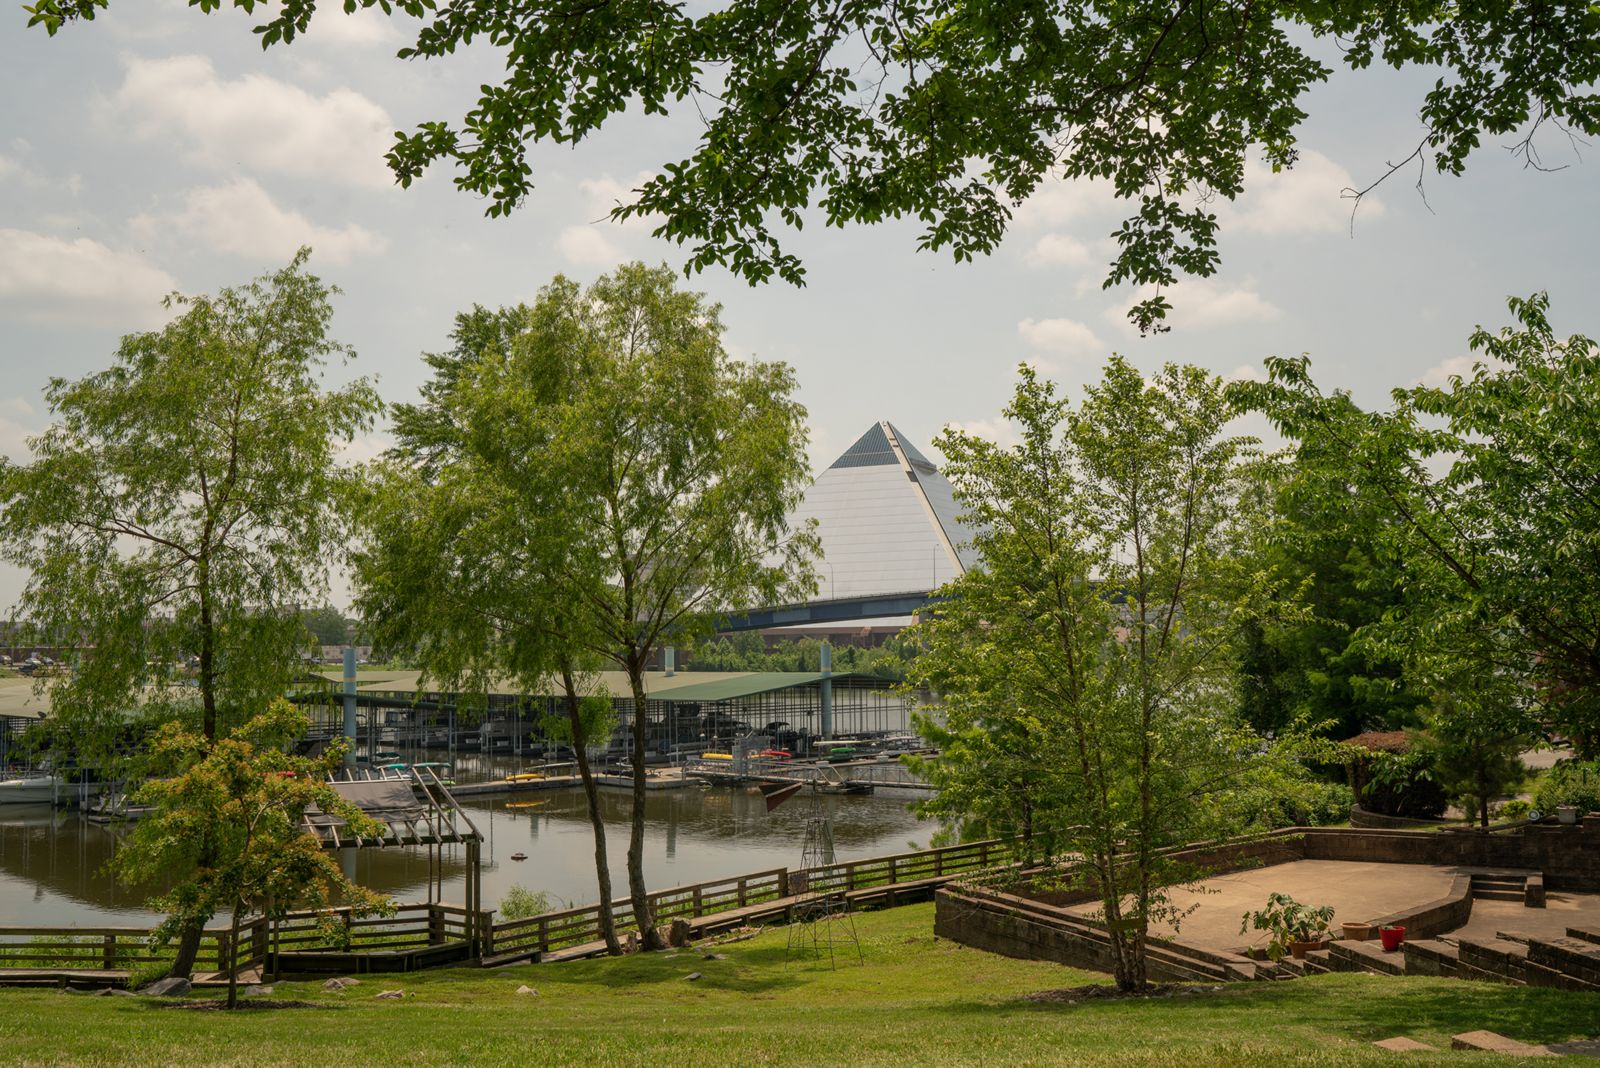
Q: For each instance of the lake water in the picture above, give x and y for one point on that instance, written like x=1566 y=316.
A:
x=53 y=862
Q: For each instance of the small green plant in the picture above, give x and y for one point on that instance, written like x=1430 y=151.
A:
x=1286 y=920
x=1515 y=809
x=520 y=903
x=1571 y=782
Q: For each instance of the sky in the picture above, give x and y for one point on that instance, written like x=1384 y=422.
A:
x=157 y=149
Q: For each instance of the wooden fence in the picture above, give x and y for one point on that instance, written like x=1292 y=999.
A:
x=417 y=935
x=126 y=949
x=568 y=928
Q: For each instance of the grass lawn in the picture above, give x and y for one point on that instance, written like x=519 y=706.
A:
x=916 y=1001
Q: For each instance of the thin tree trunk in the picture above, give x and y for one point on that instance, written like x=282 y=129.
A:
x=591 y=794
x=637 y=893
x=188 y=950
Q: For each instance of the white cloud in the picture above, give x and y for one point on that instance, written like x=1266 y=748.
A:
x=241 y=219
x=1305 y=199
x=1058 y=250
x=255 y=120
x=1059 y=201
x=1202 y=304
x=999 y=430
x=362 y=28
x=586 y=245
x=52 y=279
x=1063 y=337
x=8 y=167
x=1246 y=372
x=1439 y=374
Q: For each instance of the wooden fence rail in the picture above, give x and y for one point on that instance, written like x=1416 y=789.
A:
x=555 y=931
x=417 y=928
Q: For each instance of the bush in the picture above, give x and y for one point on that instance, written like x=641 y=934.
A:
x=1400 y=784
x=520 y=903
x=1571 y=782
x=1515 y=809
x=1307 y=803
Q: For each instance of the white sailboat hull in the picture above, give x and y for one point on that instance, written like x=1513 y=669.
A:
x=43 y=790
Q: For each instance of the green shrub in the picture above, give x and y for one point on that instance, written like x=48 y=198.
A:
x=520 y=903
x=1401 y=784
x=1571 y=782
x=1515 y=809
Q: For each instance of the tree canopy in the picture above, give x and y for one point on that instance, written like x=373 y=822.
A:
x=951 y=112
x=186 y=502
x=586 y=479
x=1087 y=670
x=1490 y=489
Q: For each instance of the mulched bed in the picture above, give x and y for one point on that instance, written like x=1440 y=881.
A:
x=1101 y=992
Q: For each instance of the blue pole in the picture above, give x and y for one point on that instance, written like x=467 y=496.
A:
x=350 y=704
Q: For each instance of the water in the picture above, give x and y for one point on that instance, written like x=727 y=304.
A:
x=52 y=863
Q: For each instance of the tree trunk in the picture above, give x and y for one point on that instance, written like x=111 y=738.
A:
x=208 y=657
x=188 y=950
x=591 y=795
x=642 y=915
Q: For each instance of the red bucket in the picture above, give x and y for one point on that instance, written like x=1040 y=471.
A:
x=1391 y=937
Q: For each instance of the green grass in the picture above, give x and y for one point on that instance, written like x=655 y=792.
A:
x=917 y=1001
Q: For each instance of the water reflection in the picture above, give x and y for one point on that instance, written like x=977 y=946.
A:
x=53 y=863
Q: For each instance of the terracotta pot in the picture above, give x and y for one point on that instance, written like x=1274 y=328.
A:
x=1357 y=932
x=1298 y=950
x=1391 y=937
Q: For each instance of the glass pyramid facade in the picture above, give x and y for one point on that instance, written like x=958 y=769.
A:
x=887 y=520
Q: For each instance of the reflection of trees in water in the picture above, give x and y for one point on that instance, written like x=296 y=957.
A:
x=719 y=814
x=58 y=852
x=57 y=855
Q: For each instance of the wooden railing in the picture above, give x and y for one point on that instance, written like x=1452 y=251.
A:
x=126 y=948
x=563 y=929
x=421 y=926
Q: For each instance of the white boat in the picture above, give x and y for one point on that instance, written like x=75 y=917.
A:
x=30 y=790
x=44 y=789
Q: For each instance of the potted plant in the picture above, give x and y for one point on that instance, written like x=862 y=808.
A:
x=1391 y=935
x=1567 y=814
x=1293 y=928
x=1357 y=931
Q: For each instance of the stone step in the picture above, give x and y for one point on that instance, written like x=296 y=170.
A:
x=1585 y=934
x=1316 y=962
x=1536 y=974
x=1431 y=957
x=1493 y=959
x=1571 y=956
x=1346 y=956
x=1499 y=880
x=1497 y=894
x=1489 y=1042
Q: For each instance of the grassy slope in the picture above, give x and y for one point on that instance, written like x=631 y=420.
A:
x=916 y=1001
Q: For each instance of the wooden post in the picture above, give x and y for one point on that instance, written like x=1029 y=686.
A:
x=435 y=926
x=893 y=868
x=938 y=862
x=783 y=882
x=109 y=952
x=741 y=893
x=544 y=935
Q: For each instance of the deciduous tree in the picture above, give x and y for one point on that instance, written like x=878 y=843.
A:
x=951 y=112
x=1492 y=488
x=229 y=816
x=1087 y=671
x=182 y=506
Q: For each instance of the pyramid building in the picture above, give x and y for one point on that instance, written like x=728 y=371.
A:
x=887 y=521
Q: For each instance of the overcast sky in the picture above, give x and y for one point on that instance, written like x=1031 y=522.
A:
x=156 y=149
